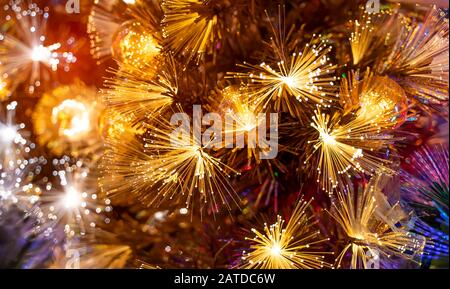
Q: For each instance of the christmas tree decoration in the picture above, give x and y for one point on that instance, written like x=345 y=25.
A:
x=418 y=57
x=367 y=37
x=67 y=120
x=241 y=119
x=103 y=25
x=140 y=92
x=24 y=54
x=288 y=246
x=428 y=184
x=370 y=223
x=425 y=189
x=134 y=44
x=191 y=26
x=300 y=77
x=125 y=30
x=164 y=166
x=346 y=149
x=223 y=134
x=377 y=99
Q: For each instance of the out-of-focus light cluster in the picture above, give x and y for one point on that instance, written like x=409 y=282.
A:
x=73 y=116
x=18 y=168
x=23 y=52
x=73 y=200
x=68 y=120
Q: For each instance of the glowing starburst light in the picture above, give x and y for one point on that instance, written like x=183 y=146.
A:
x=286 y=245
x=23 y=52
x=300 y=77
x=345 y=149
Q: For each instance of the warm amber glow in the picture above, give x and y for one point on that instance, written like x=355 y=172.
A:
x=4 y=89
x=67 y=119
x=135 y=45
x=72 y=117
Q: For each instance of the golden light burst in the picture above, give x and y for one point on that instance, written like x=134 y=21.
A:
x=103 y=25
x=119 y=166
x=241 y=120
x=367 y=37
x=67 y=119
x=190 y=26
x=360 y=39
x=343 y=149
x=126 y=30
x=301 y=77
x=72 y=201
x=135 y=45
x=161 y=166
x=374 y=98
x=24 y=54
x=419 y=57
x=286 y=245
x=374 y=228
x=115 y=124
x=140 y=92
x=186 y=167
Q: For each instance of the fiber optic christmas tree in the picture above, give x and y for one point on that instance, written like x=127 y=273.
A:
x=223 y=134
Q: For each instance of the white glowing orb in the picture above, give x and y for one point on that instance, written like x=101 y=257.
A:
x=289 y=81
x=72 y=198
x=79 y=117
x=40 y=53
x=275 y=250
x=46 y=54
x=129 y=1
x=4 y=194
x=328 y=139
x=7 y=134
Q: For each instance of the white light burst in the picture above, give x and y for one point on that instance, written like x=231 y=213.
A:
x=72 y=201
x=24 y=53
